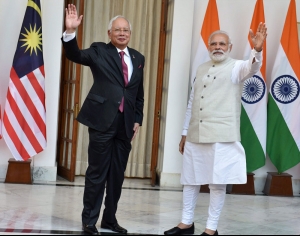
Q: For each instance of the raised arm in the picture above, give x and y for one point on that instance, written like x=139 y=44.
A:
x=72 y=20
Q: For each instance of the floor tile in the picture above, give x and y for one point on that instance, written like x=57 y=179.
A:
x=47 y=208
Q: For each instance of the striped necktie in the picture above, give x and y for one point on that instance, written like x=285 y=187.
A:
x=125 y=73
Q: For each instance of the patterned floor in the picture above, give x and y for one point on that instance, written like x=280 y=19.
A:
x=55 y=208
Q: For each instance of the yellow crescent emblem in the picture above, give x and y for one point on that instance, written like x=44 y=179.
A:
x=34 y=6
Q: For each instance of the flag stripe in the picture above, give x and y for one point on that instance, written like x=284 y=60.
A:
x=15 y=139
x=42 y=70
x=33 y=79
x=25 y=115
x=25 y=127
x=255 y=155
x=282 y=149
x=18 y=129
x=259 y=16
x=290 y=32
x=28 y=102
x=34 y=97
x=211 y=21
x=11 y=145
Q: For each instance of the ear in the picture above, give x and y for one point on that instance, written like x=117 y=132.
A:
x=108 y=33
x=230 y=47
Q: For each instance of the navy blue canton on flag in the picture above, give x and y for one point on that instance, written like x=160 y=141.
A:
x=29 y=55
x=24 y=119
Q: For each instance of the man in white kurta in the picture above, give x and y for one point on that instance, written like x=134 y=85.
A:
x=210 y=144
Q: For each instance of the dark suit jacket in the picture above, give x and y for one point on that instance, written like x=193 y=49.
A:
x=103 y=100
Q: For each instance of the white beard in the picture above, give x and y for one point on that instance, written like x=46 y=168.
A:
x=218 y=57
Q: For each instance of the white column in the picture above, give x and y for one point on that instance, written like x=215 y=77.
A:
x=177 y=91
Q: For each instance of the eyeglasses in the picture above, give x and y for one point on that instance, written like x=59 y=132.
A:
x=221 y=44
x=118 y=31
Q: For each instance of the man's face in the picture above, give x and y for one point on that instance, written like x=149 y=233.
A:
x=120 y=33
x=219 y=47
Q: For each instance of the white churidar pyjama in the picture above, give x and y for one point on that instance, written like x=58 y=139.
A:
x=217 y=199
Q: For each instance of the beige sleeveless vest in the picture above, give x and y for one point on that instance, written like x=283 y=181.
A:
x=216 y=105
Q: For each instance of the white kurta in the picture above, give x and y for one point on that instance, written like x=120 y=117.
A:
x=217 y=163
x=213 y=163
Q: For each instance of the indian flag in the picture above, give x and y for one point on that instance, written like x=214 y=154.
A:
x=254 y=104
x=283 y=129
x=210 y=24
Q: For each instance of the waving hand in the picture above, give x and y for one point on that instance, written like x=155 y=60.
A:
x=260 y=36
x=72 y=20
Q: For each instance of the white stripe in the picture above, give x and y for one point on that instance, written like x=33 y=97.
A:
x=257 y=112
x=11 y=145
x=281 y=65
x=27 y=115
x=290 y=111
x=247 y=52
x=33 y=96
x=18 y=130
x=201 y=56
x=40 y=78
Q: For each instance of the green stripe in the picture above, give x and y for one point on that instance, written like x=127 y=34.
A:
x=255 y=157
x=281 y=146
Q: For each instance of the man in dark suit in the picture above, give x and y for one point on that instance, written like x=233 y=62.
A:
x=113 y=111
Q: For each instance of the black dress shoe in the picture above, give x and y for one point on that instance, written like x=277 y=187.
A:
x=114 y=227
x=216 y=233
x=90 y=229
x=178 y=231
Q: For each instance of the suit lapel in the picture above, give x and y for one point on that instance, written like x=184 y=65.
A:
x=134 y=63
x=116 y=57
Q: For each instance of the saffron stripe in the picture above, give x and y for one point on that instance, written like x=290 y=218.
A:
x=211 y=21
x=289 y=39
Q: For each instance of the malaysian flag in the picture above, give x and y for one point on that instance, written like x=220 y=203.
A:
x=24 y=118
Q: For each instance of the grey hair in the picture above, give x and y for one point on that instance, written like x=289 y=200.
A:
x=116 y=17
x=219 y=32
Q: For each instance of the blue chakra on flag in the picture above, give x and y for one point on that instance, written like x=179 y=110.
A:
x=253 y=90
x=285 y=89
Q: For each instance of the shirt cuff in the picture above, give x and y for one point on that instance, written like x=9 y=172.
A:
x=256 y=51
x=68 y=37
x=184 y=132
x=257 y=55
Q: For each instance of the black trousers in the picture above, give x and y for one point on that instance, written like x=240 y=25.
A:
x=107 y=158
